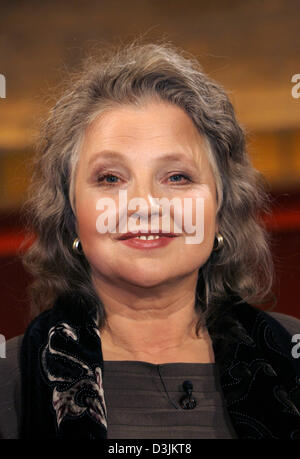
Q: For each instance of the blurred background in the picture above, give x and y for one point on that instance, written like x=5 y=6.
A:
x=251 y=48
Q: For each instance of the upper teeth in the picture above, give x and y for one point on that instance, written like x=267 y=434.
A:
x=148 y=238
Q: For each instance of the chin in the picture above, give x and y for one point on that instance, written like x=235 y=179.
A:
x=145 y=280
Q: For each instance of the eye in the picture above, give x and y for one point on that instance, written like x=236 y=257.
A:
x=107 y=179
x=178 y=178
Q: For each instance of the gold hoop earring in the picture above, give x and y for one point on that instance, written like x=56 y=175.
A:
x=76 y=247
x=220 y=243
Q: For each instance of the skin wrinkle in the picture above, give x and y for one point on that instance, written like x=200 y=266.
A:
x=134 y=75
x=144 y=101
x=149 y=297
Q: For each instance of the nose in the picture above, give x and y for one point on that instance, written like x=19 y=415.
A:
x=144 y=209
x=143 y=206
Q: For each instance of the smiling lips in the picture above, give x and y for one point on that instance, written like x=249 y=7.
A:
x=141 y=240
x=146 y=236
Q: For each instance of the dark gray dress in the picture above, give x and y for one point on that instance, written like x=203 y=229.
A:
x=142 y=399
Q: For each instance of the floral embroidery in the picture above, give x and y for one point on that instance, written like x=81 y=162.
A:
x=80 y=389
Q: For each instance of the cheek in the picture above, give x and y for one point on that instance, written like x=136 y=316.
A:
x=209 y=220
x=201 y=213
x=203 y=218
x=86 y=215
x=97 y=247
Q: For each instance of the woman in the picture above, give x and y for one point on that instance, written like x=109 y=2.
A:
x=148 y=332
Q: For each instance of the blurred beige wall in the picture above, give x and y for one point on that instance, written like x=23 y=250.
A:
x=252 y=48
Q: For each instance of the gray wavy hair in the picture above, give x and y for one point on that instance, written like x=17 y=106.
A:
x=128 y=75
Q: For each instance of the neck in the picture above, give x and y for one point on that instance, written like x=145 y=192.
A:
x=148 y=322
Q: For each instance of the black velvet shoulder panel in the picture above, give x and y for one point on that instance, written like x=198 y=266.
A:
x=259 y=377
x=61 y=374
x=62 y=367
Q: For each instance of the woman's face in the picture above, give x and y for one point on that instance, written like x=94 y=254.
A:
x=153 y=151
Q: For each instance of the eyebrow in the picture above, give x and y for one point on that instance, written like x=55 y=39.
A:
x=116 y=156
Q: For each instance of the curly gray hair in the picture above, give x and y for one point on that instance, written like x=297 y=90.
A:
x=128 y=75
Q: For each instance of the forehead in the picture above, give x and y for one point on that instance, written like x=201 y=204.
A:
x=154 y=127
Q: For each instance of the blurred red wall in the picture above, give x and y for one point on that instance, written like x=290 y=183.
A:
x=284 y=226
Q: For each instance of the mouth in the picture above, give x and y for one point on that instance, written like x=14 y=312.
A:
x=147 y=241
x=146 y=236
